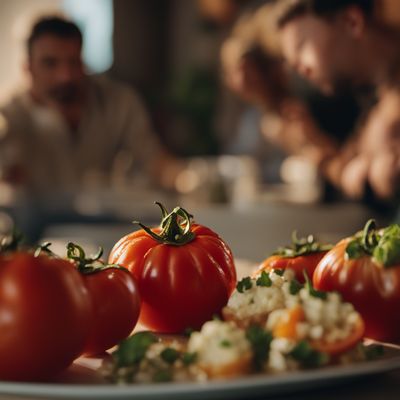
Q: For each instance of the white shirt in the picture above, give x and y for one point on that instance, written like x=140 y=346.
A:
x=114 y=137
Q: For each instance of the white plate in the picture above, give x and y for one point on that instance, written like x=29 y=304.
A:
x=83 y=382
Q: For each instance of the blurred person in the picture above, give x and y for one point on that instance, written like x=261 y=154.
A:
x=70 y=129
x=253 y=70
x=339 y=44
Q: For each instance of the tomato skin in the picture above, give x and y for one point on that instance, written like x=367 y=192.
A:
x=180 y=286
x=115 y=308
x=298 y=264
x=373 y=290
x=44 y=308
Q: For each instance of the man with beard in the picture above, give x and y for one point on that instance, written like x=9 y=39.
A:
x=339 y=44
x=69 y=128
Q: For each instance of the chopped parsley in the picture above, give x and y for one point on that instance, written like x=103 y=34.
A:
x=382 y=245
x=244 y=284
x=189 y=358
x=260 y=341
x=279 y=272
x=170 y=355
x=307 y=356
x=225 y=343
x=295 y=286
x=133 y=349
x=264 y=280
x=163 y=375
x=387 y=251
x=373 y=352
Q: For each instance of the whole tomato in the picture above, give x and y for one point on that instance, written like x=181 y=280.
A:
x=185 y=271
x=114 y=298
x=44 y=308
x=365 y=269
x=302 y=257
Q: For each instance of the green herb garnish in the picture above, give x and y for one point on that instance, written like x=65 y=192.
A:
x=382 y=245
x=387 y=251
x=264 y=280
x=244 y=284
x=163 y=375
x=313 y=292
x=260 y=341
x=307 y=356
x=373 y=352
x=279 y=272
x=295 y=286
x=189 y=358
x=225 y=343
x=355 y=250
x=133 y=349
x=170 y=355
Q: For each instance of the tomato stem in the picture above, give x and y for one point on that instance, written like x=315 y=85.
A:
x=44 y=248
x=88 y=265
x=175 y=227
x=369 y=239
x=302 y=246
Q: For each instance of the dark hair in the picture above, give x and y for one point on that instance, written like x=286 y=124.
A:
x=56 y=26
x=323 y=8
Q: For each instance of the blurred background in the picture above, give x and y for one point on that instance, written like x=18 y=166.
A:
x=231 y=171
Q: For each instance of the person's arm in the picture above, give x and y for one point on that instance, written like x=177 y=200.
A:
x=377 y=163
x=295 y=131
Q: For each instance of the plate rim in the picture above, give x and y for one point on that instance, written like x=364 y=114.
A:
x=268 y=382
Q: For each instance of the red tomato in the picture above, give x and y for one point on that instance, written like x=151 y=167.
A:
x=373 y=289
x=298 y=264
x=44 y=308
x=114 y=298
x=302 y=256
x=185 y=272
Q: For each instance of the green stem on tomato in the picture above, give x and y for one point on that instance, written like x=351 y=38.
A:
x=88 y=265
x=369 y=238
x=44 y=248
x=175 y=227
x=302 y=246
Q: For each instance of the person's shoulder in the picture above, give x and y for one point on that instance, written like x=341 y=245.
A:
x=114 y=91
